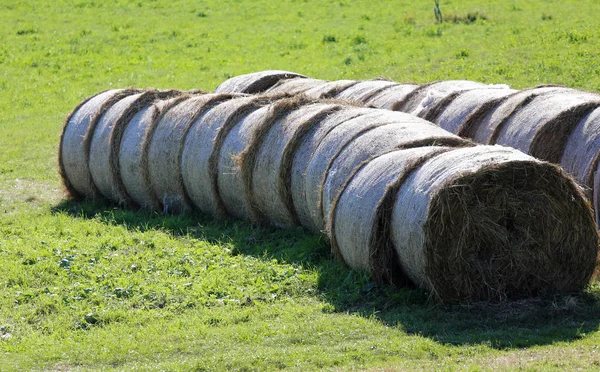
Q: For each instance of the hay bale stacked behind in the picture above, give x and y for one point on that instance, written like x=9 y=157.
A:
x=362 y=91
x=256 y=82
x=295 y=86
x=330 y=89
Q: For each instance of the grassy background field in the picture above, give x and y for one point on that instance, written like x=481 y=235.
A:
x=86 y=286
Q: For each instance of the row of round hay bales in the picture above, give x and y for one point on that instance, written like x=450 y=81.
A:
x=395 y=195
x=552 y=123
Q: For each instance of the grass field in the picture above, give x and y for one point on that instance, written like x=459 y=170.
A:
x=85 y=286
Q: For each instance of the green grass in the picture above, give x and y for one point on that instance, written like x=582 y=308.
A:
x=87 y=286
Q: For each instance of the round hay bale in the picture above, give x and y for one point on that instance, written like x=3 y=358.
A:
x=74 y=149
x=271 y=179
x=360 y=215
x=410 y=132
x=105 y=143
x=133 y=152
x=453 y=115
x=391 y=96
x=329 y=89
x=542 y=127
x=491 y=223
x=419 y=100
x=363 y=90
x=256 y=82
x=295 y=86
x=331 y=144
x=166 y=146
x=202 y=149
x=308 y=142
x=485 y=123
x=582 y=152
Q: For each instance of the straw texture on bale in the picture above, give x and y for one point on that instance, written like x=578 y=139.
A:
x=330 y=88
x=202 y=151
x=295 y=86
x=256 y=82
x=133 y=152
x=360 y=215
x=485 y=223
x=74 y=148
x=419 y=100
x=542 y=127
x=271 y=180
x=302 y=156
x=105 y=143
x=166 y=147
x=392 y=96
x=363 y=90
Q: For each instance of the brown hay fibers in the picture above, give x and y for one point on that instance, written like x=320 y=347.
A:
x=329 y=89
x=133 y=152
x=360 y=215
x=542 y=127
x=271 y=180
x=407 y=131
x=392 y=96
x=326 y=151
x=166 y=146
x=105 y=143
x=363 y=90
x=202 y=148
x=75 y=140
x=295 y=86
x=302 y=155
x=455 y=114
x=482 y=131
x=256 y=82
x=427 y=95
x=490 y=223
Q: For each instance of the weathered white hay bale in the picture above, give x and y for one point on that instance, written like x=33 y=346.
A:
x=427 y=95
x=105 y=143
x=256 y=82
x=483 y=124
x=453 y=115
x=74 y=148
x=406 y=132
x=295 y=86
x=329 y=89
x=202 y=149
x=360 y=215
x=363 y=90
x=490 y=223
x=302 y=155
x=542 y=127
x=133 y=151
x=166 y=146
x=331 y=144
x=392 y=96
x=271 y=179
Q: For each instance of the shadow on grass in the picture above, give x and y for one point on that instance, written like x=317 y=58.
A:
x=515 y=324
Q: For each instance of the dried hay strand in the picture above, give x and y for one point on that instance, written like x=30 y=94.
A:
x=419 y=100
x=295 y=86
x=490 y=121
x=359 y=222
x=542 y=127
x=454 y=115
x=392 y=96
x=363 y=90
x=331 y=144
x=105 y=143
x=133 y=151
x=491 y=223
x=166 y=146
x=256 y=82
x=271 y=174
x=74 y=148
x=329 y=89
x=407 y=132
x=304 y=149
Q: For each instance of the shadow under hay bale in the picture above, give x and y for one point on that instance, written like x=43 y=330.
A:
x=74 y=148
x=487 y=223
x=256 y=82
x=391 y=96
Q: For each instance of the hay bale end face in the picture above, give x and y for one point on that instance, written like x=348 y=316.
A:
x=256 y=82
x=487 y=223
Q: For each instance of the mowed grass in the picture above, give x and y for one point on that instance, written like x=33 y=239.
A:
x=86 y=286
